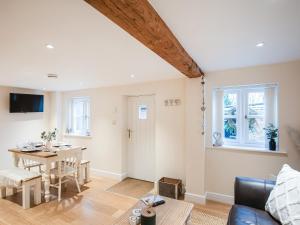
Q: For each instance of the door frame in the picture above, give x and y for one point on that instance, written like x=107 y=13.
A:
x=126 y=125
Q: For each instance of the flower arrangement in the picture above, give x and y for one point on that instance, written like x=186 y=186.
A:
x=271 y=133
x=48 y=137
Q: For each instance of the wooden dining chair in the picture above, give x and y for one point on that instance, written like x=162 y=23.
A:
x=28 y=164
x=68 y=166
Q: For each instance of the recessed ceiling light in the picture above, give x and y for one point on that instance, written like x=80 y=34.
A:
x=49 y=46
x=132 y=76
x=260 y=44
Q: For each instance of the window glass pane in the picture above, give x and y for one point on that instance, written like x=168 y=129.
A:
x=78 y=124
x=143 y=112
x=230 y=104
x=78 y=109
x=230 y=130
x=256 y=103
x=80 y=114
x=256 y=132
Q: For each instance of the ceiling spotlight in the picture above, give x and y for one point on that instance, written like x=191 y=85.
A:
x=49 y=46
x=260 y=44
x=52 y=75
x=132 y=76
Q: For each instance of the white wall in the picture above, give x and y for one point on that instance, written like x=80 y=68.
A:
x=222 y=166
x=180 y=146
x=195 y=151
x=55 y=110
x=107 y=146
x=19 y=127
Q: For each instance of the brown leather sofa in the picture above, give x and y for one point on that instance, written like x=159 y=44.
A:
x=251 y=196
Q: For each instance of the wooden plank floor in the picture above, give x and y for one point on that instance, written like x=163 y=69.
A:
x=132 y=187
x=92 y=206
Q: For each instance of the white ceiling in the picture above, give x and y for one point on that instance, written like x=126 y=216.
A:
x=91 y=51
x=222 y=34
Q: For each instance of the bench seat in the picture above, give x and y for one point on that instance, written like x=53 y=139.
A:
x=16 y=177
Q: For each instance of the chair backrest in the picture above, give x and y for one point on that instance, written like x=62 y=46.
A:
x=69 y=157
x=28 y=163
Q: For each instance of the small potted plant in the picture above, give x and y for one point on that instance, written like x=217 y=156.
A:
x=272 y=134
x=48 y=137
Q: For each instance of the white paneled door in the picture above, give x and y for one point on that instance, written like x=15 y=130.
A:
x=141 y=154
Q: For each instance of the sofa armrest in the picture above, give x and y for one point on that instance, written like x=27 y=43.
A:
x=252 y=192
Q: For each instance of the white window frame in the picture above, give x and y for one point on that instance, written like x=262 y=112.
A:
x=242 y=138
x=86 y=131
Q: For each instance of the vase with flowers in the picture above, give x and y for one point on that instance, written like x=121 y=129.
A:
x=48 y=137
x=272 y=134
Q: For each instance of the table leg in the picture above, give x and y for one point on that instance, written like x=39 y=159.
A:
x=79 y=175
x=47 y=181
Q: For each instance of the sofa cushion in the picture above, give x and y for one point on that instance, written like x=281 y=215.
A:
x=284 y=201
x=244 y=215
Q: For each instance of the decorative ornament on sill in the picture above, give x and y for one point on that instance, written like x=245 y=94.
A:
x=217 y=139
x=203 y=107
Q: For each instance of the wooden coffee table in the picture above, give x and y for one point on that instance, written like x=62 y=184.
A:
x=173 y=212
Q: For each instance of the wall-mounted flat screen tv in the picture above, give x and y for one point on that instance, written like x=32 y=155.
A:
x=25 y=103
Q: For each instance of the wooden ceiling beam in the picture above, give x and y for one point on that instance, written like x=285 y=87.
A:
x=140 y=19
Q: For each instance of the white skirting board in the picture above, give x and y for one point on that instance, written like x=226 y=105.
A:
x=190 y=197
x=103 y=173
x=200 y=199
x=227 y=199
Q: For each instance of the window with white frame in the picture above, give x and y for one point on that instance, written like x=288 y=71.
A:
x=79 y=116
x=241 y=113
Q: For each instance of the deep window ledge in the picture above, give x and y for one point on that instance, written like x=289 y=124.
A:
x=248 y=150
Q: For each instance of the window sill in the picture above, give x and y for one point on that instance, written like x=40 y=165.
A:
x=249 y=150
x=77 y=136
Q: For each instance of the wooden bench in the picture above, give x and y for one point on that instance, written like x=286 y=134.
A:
x=85 y=166
x=16 y=178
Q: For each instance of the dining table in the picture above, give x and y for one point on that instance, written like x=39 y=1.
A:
x=46 y=158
